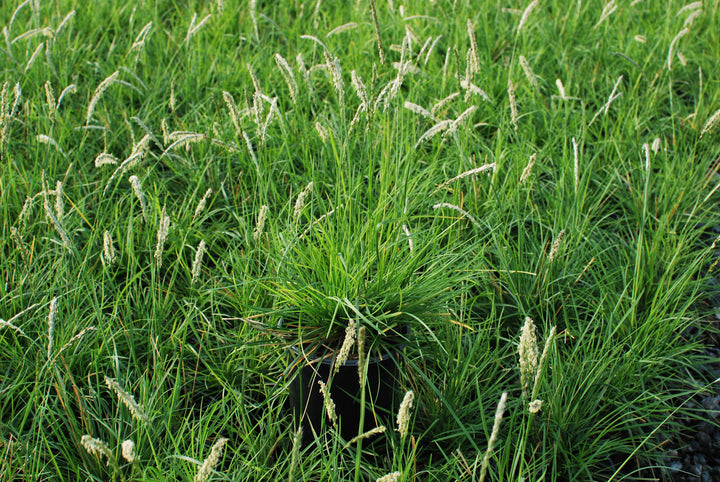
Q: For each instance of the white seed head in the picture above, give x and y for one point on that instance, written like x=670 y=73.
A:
x=347 y=345
x=42 y=138
x=691 y=18
x=201 y=205
x=360 y=89
x=197 y=263
x=710 y=125
x=418 y=110
x=67 y=243
x=529 y=72
x=556 y=246
x=137 y=188
x=70 y=89
x=484 y=168
x=535 y=406
x=671 y=49
x=472 y=89
x=528 y=169
x=25 y=213
x=561 y=89
x=609 y=8
x=391 y=477
x=301 y=199
x=526 y=13
x=657 y=143
x=193 y=28
x=163 y=230
x=59 y=200
x=459 y=210
x=541 y=363
x=493 y=435
x=51 y=325
x=333 y=65
x=513 y=105
x=98 y=92
x=211 y=461
x=368 y=434
x=75 y=338
x=328 y=403
x=97 y=447
x=50 y=96
x=252 y=152
x=128 y=451
x=322 y=132
x=403 y=416
x=128 y=400
x=443 y=102
x=528 y=354
x=341 y=28
x=108 y=249
x=407 y=232
x=104 y=158
x=475 y=52
x=362 y=333
x=576 y=163
x=260 y=226
x=434 y=130
x=288 y=75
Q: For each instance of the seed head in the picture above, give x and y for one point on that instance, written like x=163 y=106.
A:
x=262 y=216
x=526 y=13
x=526 y=172
x=163 y=230
x=288 y=75
x=128 y=400
x=300 y=202
x=535 y=406
x=392 y=477
x=493 y=436
x=361 y=354
x=137 y=188
x=211 y=461
x=201 y=205
x=513 y=105
x=333 y=66
x=328 y=403
x=97 y=447
x=403 y=416
x=108 y=249
x=105 y=158
x=98 y=92
x=368 y=434
x=529 y=72
x=346 y=346
x=197 y=263
x=51 y=325
x=128 y=451
x=528 y=354
x=556 y=246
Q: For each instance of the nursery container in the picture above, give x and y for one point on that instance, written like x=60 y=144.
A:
x=307 y=401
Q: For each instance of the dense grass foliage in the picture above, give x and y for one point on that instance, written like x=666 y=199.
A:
x=155 y=168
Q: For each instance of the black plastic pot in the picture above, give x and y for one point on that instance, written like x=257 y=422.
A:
x=308 y=404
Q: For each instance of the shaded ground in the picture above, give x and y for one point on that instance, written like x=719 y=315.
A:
x=694 y=455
